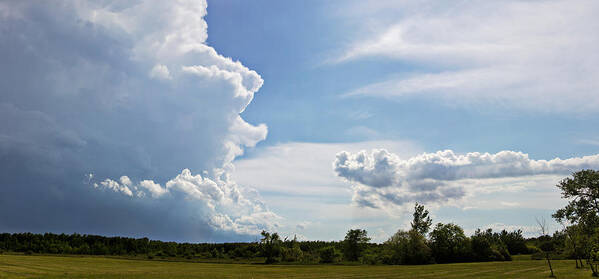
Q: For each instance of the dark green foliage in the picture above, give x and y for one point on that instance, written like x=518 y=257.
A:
x=271 y=246
x=449 y=243
x=514 y=241
x=547 y=244
x=582 y=192
x=353 y=245
x=402 y=248
x=409 y=248
x=329 y=255
x=291 y=252
x=117 y=246
x=487 y=246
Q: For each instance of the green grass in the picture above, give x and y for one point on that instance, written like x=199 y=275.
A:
x=22 y=266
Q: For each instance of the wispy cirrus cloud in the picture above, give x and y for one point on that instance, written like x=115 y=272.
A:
x=533 y=55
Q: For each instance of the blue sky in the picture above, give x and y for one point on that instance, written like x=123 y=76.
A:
x=195 y=121
x=301 y=99
x=290 y=45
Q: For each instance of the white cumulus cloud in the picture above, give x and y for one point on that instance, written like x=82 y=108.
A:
x=381 y=179
x=160 y=72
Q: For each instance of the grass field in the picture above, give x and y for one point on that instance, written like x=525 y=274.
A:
x=21 y=266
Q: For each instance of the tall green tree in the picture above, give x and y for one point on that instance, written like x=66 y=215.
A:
x=355 y=242
x=582 y=192
x=421 y=222
x=271 y=246
x=449 y=243
x=409 y=247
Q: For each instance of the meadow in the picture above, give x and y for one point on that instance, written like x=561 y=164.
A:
x=45 y=266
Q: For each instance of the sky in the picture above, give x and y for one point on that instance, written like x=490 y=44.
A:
x=211 y=121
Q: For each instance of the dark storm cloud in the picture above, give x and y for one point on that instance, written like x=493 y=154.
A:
x=115 y=90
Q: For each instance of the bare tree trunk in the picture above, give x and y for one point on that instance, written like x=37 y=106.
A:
x=549 y=263
x=543 y=229
x=593 y=267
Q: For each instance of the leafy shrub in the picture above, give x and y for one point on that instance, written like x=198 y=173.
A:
x=370 y=258
x=310 y=257
x=487 y=246
x=292 y=254
x=533 y=249
x=409 y=248
x=329 y=255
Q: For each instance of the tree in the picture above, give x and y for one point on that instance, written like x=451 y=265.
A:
x=546 y=243
x=449 y=243
x=582 y=192
x=328 y=254
x=291 y=252
x=271 y=246
x=514 y=241
x=575 y=244
x=487 y=246
x=355 y=242
x=421 y=222
x=409 y=247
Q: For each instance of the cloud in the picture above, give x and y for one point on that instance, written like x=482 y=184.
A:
x=507 y=53
x=125 y=90
x=592 y=141
x=223 y=201
x=296 y=180
x=116 y=186
x=302 y=225
x=160 y=72
x=155 y=189
x=282 y=168
x=381 y=179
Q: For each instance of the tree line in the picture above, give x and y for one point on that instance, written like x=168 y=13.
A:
x=422 y=243
x=445 y=243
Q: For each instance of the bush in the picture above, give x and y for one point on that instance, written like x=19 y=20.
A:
x=514 y=241
x=487 y=246
x=292 y=254
x=310 y=258
x=409 y=248
x=533 y=249
x=329 y=255
x=369 y=258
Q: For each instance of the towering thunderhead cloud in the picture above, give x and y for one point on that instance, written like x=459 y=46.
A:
x=99 y=90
